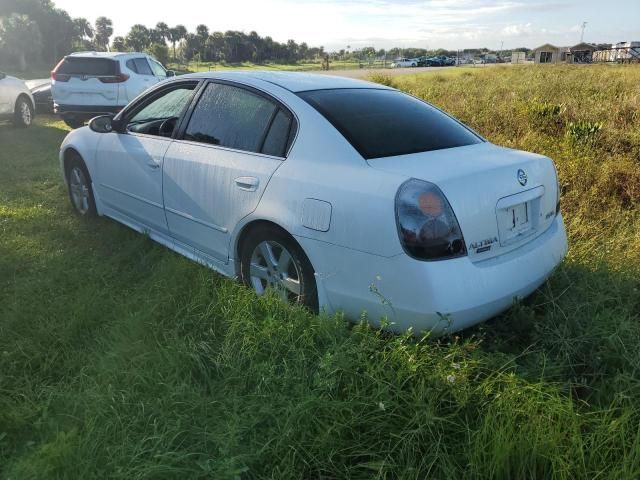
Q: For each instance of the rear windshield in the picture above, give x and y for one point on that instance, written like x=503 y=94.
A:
x=384 y=123
x=88 y=66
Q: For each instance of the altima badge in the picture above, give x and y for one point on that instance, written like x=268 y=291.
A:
x=522 y=177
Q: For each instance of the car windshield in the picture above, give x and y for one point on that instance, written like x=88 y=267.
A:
x=385 y=123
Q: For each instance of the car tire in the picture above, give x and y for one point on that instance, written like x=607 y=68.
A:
x=79 y=187
x=23 y=113
x=288 y=269
x=72 y=122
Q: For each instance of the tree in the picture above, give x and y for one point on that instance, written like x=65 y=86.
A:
x=118 y=44
x=104 y=30
x=82 y=28
x=202 y=34
x=177 y=33
x=164 y=31
x=138 y=38
x=160 y=52
x=20 y=36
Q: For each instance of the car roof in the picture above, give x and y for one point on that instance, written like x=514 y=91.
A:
x=292 y=81
x=105 y=54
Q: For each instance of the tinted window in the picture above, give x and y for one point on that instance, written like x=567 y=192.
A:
x=277 y=139
x=88 y=66
x=131 y=65
x=142 y=67
x=383 y=123
x=231 y=117
x=158 y=70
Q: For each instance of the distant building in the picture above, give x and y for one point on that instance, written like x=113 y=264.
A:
x=548 y=53
x=580 y=53
x=517 y=57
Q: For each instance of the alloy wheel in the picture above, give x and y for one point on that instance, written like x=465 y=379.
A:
x=25 y=113
x=272 y=265
x=79 y=190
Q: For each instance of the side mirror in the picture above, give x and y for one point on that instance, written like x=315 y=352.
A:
x=102 y=124
x=171 y=73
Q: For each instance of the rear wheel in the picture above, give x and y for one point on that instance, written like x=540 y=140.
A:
x=80 y=191
x=270 y=258
x=23 y=114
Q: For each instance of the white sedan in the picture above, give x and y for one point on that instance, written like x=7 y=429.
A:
x=404 y=62
x=339 y=194
x=16 y=102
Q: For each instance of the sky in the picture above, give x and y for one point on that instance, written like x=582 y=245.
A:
x=336 y=24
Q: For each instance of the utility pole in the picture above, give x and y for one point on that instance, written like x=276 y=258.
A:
x=584 y=25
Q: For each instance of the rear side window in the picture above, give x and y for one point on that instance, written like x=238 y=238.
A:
x=385 y=123
x=231 y=117
x=279 y=135
x=97 y=67
x=140 y=66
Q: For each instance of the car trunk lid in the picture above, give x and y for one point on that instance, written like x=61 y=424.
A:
x=502 y=198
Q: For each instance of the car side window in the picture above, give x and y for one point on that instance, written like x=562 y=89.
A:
x=232 y=117
x=131 y=65
x=158 y=70
x=277 y=139
x=165 y=105
x=142 y=67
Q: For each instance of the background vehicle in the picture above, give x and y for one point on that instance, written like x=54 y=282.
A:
x=41 y=91
x=16 y=102
x=86 y=84
x=252 y=173
x=404 y=62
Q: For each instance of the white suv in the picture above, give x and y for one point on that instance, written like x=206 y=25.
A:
x=16 y=102
x=86 y=84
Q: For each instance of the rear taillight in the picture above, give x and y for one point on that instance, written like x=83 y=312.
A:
x=427 y=226
x=121 y=77
x=59 y=77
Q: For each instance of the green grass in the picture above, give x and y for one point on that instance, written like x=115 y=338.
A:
x=121 y=359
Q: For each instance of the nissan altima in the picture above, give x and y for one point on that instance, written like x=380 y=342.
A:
x=339 y=194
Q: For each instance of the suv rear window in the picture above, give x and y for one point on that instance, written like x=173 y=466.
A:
x=97 y=67
x=385 y=123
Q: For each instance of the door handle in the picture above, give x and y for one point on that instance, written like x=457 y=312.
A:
x=153 y=165
x=250 y=184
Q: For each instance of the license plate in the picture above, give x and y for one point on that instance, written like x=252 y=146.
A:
x=516 y=221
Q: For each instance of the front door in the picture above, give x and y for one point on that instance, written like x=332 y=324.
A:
x=216 y=173
x=129 y=164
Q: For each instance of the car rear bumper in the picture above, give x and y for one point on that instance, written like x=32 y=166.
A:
x=86 y=110
x=442 y=296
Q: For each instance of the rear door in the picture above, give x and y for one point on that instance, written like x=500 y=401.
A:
x=216 y=173
x=86 y=81
x=141 y=78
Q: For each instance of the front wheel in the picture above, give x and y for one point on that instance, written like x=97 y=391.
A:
x=80 y=190
x=23 y=115
x=270 y=258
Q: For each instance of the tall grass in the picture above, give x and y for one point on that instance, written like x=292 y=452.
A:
x=120 y=359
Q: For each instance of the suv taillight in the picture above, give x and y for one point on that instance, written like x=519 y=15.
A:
x=427 y=226
x=59 y=77
x=119 y=78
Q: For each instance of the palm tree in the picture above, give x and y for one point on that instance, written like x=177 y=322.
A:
x=82 y=28
x=104 y=30
x=177 y=33
x=164 y=31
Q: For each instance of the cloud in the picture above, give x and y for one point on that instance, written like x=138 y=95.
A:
x=518 y=30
